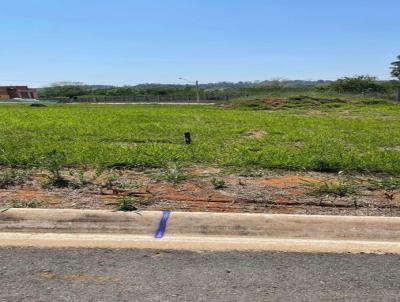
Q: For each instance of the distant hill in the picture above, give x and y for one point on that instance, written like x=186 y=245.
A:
x=235 y=85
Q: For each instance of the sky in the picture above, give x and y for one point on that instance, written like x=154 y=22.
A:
x=126 y=42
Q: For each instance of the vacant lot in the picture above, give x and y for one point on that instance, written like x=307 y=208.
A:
x=275 y=155
x=350 y=138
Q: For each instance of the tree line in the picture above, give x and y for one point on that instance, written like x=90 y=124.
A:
x=355 y=84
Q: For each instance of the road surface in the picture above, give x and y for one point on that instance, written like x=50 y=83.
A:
x=30 y=274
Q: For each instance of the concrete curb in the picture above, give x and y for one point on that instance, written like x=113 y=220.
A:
x=204 y=231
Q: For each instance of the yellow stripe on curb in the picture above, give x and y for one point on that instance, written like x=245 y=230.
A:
x=209 y=243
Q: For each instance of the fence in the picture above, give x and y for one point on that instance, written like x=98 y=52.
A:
x=208 y=97
x=205 y=97
x=139 y=99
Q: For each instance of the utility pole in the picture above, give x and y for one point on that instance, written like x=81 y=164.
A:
x=197 y=92
x=197 y=88
x=398 y=95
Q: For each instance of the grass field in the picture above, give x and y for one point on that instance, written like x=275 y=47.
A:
x=332 y=136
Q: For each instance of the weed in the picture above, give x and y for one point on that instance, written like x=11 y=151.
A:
x=99 y=170
x=251 y=172
x=174 y=174
x=110 y=180
x=389 y=183
x=322 y=165
x=82 y=178
x=338 y=189
x=126 y=204
x=218 y=183
x=53 y=161
x=12 y=177
x=17 y=203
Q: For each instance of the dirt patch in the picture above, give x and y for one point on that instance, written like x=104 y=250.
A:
x=256 y=134
x=204 y=170
x=186 y=191
x=29 y=194
x=390 y=148
x=286 y=192
x=287 y=181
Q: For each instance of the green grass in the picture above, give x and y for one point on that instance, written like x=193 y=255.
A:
x=352 y=137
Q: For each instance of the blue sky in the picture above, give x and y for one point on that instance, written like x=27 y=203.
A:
x=128 y=42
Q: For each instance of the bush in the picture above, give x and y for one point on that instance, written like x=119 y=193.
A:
x=357 y=84
x=11 y=177
x=53 y=161
x=126 y=204
x=218 y=183
x=64 y=90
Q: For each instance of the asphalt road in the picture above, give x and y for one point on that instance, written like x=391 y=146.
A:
x=29 y=274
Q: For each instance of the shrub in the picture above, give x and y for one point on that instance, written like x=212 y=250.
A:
x=11 y=177
x=53 y=162
x=126 y=204
x=218 y=183
x=357 y=84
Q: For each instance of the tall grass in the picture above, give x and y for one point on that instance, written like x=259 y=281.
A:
x=352 y=138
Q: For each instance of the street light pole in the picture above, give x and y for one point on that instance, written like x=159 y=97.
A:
x=197 y=88
x=197 y=92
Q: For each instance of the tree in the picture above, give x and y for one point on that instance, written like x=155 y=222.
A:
x=396 y=74
x=396 y=68
x=65 y=89
x=357 y=84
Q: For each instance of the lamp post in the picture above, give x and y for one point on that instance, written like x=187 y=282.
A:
x=196 y=83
